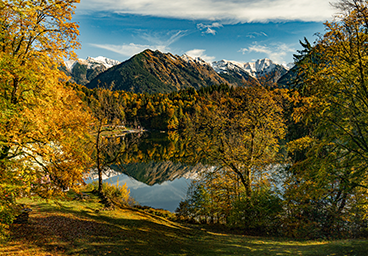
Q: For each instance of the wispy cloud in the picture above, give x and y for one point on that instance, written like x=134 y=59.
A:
x=201 y=54
x=256 y=34
x=230 y=10
x=128 y=49
x=155 y=42
x=209 y=29
x=163 y=39
x=275 y=52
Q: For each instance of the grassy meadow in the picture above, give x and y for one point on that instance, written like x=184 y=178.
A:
x=82 y=227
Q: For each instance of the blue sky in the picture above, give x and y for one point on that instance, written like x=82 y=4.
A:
x=239 y=30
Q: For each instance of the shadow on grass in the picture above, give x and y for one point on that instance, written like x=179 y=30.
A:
x=131 y=232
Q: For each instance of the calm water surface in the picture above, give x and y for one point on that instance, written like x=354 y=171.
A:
x=166 y=195
x=154 y=171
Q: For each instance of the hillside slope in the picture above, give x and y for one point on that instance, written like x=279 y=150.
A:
x=156 y=72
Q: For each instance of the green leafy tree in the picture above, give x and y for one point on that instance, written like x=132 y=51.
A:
x=259 y=214
x=240 y=132
x=333 y=75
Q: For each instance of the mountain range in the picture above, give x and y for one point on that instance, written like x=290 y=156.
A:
x=154 y=71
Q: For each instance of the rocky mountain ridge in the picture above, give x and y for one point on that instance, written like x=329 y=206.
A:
x=258 y=69
x=153 y=71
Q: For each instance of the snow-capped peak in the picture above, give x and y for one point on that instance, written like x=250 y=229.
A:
x=198 y=60
x=223 y=65
x=92 y=62
x=69 y=64
x=288 y=66
x=104 y=61
x=260 y=67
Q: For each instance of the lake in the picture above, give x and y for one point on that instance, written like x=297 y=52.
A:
x=157 y=169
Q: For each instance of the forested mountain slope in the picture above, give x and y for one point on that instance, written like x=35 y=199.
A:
x=153 y=71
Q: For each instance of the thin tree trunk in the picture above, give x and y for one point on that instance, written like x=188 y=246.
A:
x=98 y=161
x=14 y=99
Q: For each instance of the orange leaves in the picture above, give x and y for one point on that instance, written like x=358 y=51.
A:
x=39 y=25
x=300 y=144
x=43 y=123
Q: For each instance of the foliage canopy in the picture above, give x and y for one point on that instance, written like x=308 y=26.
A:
x=328 y=188
x=43 y=124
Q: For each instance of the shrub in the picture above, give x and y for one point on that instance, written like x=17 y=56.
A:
x=117 y=194
x=6 y=217
x=8 y=212
x=259 y=213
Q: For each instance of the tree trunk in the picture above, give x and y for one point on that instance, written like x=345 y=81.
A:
x=98 y=161
x=99 y=181
x=248 y=188
x=244 y=179
x=14 y=99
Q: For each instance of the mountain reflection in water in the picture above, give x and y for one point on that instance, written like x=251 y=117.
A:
x=156 y=167
x=174 y=181
x=158 y=172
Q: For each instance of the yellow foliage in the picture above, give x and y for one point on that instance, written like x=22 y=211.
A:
x=300 y=144
x=240 y=132
x=43 y=122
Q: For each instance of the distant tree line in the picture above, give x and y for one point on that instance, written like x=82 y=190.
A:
x=157 y=111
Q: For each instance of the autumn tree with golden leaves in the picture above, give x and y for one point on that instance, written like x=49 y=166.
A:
x=43 y=123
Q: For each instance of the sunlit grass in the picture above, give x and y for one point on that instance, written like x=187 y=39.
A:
x=83 y=228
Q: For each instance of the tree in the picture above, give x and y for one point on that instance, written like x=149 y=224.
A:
x=108 y=120
x=334 y=80
x=43 y=124
x=240 y=132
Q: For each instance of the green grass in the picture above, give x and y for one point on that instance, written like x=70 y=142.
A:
x=83 y=228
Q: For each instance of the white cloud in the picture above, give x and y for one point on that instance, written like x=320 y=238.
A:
x=201 y=54
x=229 y=10
x=275 y=52
x=208 y=29
x=156 y=42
